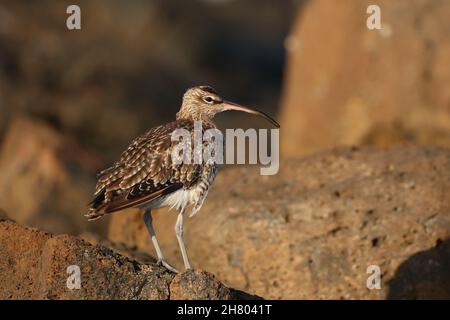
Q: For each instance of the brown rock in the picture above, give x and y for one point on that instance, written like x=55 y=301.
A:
x=36 y=265
x=104 y=274
x=132 y=252
x=348 y=85
x=43 y=171
x=199 y=285
x=312 y=230
x=19 y=266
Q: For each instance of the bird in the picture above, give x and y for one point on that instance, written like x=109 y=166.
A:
x=146 y=177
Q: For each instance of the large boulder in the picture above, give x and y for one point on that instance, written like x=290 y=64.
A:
x=313 y=230
x=348 y=85
x=38 y=265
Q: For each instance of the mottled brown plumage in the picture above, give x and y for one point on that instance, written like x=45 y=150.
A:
x=144 y=172
x=146 y=176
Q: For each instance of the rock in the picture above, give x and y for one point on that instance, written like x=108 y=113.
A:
x=19 y=272
x=348 y=85
x=132 y=252
x=424 y=275
x=200 y=285
x=44 y=172
x=312 y=231
x=38 y=265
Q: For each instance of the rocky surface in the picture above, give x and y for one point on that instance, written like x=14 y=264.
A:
x=348 y=85
x=312 y=230
x=35 y=264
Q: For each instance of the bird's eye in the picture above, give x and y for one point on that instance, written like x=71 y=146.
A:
x=208 y=99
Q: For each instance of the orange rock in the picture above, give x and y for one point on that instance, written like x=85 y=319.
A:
x=38 y=265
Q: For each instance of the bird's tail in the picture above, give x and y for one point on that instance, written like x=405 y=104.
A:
x=93 y=215
x=96 y=207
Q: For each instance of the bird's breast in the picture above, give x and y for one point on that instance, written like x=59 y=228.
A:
x=184 y=197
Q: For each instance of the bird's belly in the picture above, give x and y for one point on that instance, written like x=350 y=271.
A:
x=179 y=199
x=182 y=198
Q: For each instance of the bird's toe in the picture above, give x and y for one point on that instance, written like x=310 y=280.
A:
x=168 y=266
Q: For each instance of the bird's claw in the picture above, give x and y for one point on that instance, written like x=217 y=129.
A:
x=168 y=266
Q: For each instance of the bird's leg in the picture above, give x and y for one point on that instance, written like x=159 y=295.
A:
x=149 y=224
x=179 y=233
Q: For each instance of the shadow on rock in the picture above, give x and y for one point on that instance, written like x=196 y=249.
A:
x=425 y=275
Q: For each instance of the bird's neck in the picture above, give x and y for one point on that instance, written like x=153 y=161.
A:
x=204 y=119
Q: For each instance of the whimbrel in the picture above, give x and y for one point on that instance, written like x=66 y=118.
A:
x=146 y=176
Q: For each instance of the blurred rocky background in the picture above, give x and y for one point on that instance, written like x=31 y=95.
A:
x=348 y=85
x=85 y=94
x=365 y=136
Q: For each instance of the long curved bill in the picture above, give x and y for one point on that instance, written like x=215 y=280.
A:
x=233 y=106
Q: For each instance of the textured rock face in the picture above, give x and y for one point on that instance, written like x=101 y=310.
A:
x=348 y=85
x=34 y=265
x=200 y=285
x=312 y=230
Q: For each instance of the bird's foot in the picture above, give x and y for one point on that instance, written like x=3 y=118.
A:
x=168 y=266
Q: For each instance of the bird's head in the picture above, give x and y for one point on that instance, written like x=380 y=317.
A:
x=203 y=103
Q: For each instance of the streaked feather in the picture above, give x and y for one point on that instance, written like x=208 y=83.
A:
x=145 y=172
